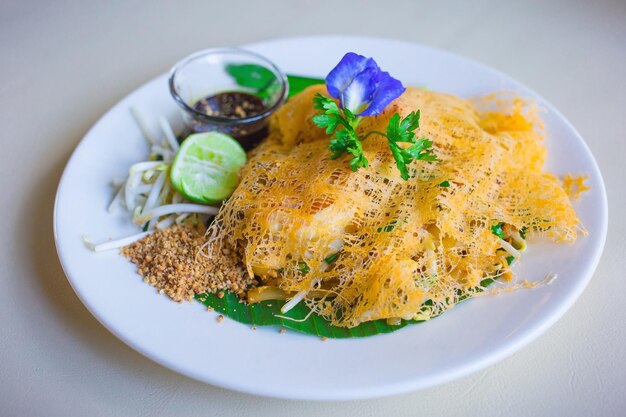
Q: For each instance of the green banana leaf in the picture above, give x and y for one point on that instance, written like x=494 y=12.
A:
x=266 y=313
x=262 y=80
x=298 y=83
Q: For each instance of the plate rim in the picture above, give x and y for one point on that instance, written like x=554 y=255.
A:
x=505 y=350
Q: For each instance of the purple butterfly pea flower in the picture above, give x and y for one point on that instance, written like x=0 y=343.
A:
x=361 y=86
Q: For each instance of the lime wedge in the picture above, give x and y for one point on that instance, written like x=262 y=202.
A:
x=206 y=167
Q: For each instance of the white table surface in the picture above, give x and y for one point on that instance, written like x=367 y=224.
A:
x=64 y=63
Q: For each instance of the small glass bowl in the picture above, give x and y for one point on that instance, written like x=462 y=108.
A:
x=229 y=70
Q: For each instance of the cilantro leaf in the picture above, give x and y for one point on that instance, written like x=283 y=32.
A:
x=359 y=160
x=339 y=143
x=328 y=121
x=401 y=159
x=327 y=104
x=411 y=122
x=341 y=124
x=444 y=184
x=402 y=132
x=420 y=150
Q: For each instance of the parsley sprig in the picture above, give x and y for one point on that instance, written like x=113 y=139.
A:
x=341 y=124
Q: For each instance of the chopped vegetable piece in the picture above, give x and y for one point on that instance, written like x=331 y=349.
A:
x=304 y=268
x=497 y=230
x=522 y=232
x=388 y=228
x=332 y=258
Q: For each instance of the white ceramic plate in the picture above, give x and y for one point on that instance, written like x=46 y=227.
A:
x=188 y=339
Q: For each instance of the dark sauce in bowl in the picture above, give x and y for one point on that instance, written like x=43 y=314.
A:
x=233 y=105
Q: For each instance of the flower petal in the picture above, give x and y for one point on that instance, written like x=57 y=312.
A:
x=386 y=90
x=340 y=77
x=360 y=91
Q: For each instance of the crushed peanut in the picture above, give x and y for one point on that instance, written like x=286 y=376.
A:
x=169 y=260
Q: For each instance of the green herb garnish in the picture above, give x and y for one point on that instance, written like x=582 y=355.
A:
x=497 y=230
x=403 y=132
x=298 y=83
x=332 y=258
x=522 y=232
x=388 y=228
x=342 y=124
x=251 y=75
x=303 y=268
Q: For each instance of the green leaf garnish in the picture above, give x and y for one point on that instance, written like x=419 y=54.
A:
x=522 y=232
x=299 y=83
x=496 y=229
x=332 y=258
x=388 y=228
x=341 y=124
x=303 y=268
x=251 y=75
x=267 y=313
x=402 y=132
x=259 y=78
x=444 y=184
